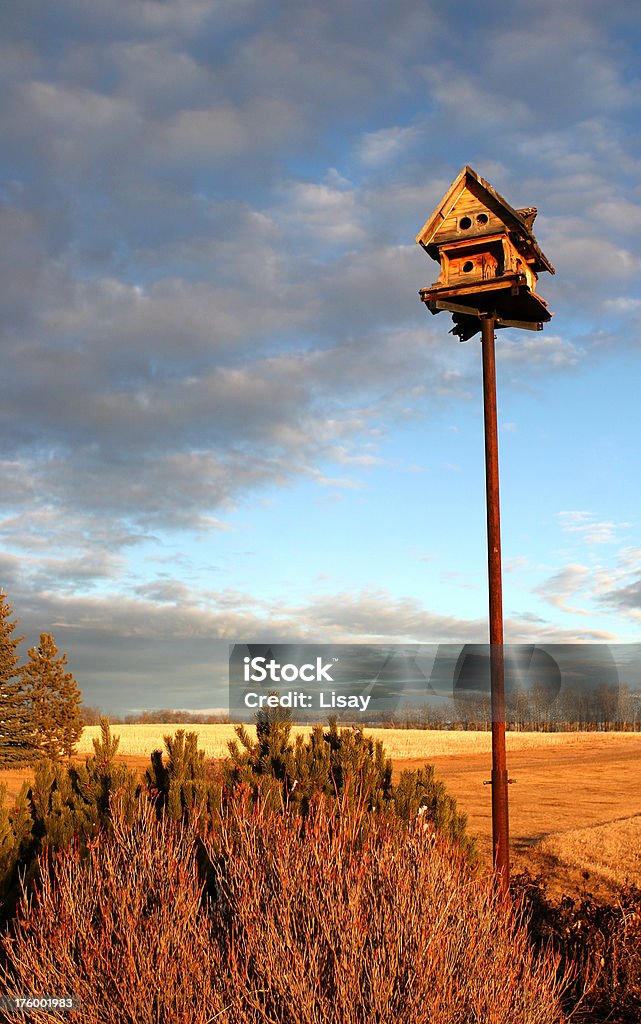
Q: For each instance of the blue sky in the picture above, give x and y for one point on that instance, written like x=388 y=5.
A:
x=225 y=414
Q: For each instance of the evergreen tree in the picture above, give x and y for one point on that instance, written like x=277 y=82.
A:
x=15 y=841
x=339 y=763
x=55 y=700
x=183 y=787
x=16 y=718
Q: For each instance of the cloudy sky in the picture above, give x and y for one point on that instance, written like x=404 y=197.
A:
x=225 y=414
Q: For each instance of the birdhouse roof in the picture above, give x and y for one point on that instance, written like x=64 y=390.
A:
x=518 y=222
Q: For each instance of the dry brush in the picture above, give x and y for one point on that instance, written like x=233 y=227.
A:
x=340 y=917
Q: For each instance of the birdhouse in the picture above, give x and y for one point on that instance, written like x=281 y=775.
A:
x=488 y=256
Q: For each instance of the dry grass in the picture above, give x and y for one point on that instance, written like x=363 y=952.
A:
x=143 y=739
x=582 y=785
x=399 y=743
x=610 y=852
x=340 y=918
x=119 y=931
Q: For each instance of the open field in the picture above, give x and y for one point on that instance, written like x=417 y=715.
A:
x=399 y=744
x=575 y=807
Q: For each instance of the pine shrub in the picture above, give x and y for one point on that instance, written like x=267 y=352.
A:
x=341 y=763
x=63 y=804
x=334 y=762
x=184 y=786
x=419 y=794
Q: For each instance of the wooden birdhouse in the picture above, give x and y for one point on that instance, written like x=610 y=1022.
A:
x=488 y=256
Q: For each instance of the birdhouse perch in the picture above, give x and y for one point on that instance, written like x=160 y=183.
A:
x=488 y=256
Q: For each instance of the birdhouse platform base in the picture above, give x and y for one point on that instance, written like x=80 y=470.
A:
x=507 y=299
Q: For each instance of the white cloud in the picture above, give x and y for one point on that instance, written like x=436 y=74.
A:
x=539 y=350
x=224 y=131
x=321 y=212
x=589 y=257
x=589 y=528
x=386 y=144
x=623 y=304
x=564 y=584
x=469 y=100
x=69 y=109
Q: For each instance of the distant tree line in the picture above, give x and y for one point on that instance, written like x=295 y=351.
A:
x=605 y=708
x=40 y=703
x=92 y=715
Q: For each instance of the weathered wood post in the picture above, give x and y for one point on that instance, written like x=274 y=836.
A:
x=489 y=260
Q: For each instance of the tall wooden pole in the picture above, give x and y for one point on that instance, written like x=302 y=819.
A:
x=500 y=828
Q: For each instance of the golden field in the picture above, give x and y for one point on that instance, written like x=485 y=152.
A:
x=610 y=853
x=399 y=743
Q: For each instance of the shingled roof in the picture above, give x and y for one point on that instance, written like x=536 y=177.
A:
x=518 y=222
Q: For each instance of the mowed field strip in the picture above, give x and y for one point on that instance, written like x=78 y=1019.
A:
x=575 y=806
